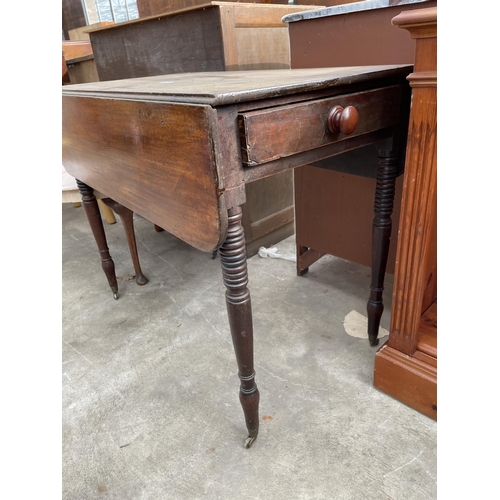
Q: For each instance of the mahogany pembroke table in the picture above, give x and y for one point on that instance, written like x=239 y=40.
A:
x=178 y=150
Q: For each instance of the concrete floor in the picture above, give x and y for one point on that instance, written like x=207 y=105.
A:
x=150 y=386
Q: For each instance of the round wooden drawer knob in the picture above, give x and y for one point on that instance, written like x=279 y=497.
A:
x=343 y=120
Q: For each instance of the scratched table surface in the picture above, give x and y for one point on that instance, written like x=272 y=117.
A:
x=230 y=87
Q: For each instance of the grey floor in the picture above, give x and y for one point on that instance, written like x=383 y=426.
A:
x=150 y=386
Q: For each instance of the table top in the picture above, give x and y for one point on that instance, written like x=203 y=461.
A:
x=231 y=87
x=347 y=8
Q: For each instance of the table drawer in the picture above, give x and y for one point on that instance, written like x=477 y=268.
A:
x=269 y=134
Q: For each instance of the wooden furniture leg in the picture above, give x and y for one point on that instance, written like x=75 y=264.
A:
x=381 y=238
x=233 y=259
x=305 y=257
x=301 y=250
x=107 y=212
x=94 y=216
x=127 y=218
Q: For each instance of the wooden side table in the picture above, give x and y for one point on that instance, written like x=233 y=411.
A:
x=406 y=366
x=179 y=150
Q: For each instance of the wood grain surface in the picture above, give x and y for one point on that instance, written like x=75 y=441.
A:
x=405 y=367
x=230 y=87
x=74 y=49
x=177 y=44
x=408 y=379
x=303 y=126
x=415 y=281
x=154 y=158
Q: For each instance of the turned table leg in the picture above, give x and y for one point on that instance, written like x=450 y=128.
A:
x=233 y=259
x=381 y=237
x=127 y=217
x=95 y=221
